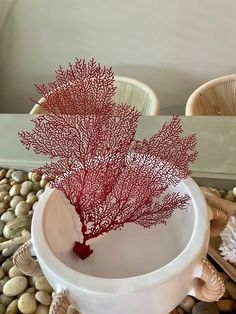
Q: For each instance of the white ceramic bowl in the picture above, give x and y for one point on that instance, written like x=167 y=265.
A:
x=133 y=270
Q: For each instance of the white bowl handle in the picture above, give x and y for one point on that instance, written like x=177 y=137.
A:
x=23 y=260
x=208 y=285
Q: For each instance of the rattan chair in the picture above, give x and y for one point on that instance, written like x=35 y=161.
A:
x=214 y=98
x=129 y=91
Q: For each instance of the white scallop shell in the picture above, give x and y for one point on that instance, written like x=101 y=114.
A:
x=228 y=246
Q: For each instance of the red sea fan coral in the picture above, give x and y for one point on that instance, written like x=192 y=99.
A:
x=109 y=177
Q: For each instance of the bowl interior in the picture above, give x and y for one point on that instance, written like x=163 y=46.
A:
x=128 y=252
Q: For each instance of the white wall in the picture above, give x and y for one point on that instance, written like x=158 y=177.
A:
x=172 y=45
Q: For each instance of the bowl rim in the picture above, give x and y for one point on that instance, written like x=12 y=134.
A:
x=192 y=252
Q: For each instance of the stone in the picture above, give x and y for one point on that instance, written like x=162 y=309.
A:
x=31 y=290
x=32 y=280
x=22 y=209
x=5 y=300
x=12 y=307
x=15 y=190
x=205 y=308
x=9 y=250
x=15 y=200
x=2 y=274
x=19 y=176
x=9 y=173
x=37 y=186
x=15 y=286
x=230 y=196
x=225 y=305
x=231 y=289
x=27 y=303
x=2 y=224
x=7 y=216
x=31 y=199
x=7 y=265
x=39 y=193
x=42 y=309
x=3 y=181
x=2 y=173
x=14 y=227
x=3 y=194
x=43 y=297
x=14 y=272
x=26 y=187
x=234 y=191
x=43 y=285
x=3 y=281
x=5 y=187
x=43 y=183
x=2 y=309
x=187 y=304
x=35 y=177
x=3 y=207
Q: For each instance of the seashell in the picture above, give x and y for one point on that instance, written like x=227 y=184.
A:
x=14 y=227
x=228 y=245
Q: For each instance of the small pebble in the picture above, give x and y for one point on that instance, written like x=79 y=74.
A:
x=36 y=186
x=15 y=200
x=187 y=304
x=19 y=176
x=26 y=187
x=42 y=309
x=32 y=280
x=31 y=290
x=2 y=224
x=225 y=305
x=43 y=183
x=3 y=181
x=35 y=177
x=3 y=194
x=15 y=286
x=5 y=187
x=43 y=297
x=12 y=307
x=230 y=196
x=2 y=309
x=43 y=285
x=31 y=199
x=5 y=300
x=15 y=190
x=4 y=280
x=2 y=173
x=27 y=303
x=22 y=208
x=7 y=216
x=39 y=193
x=1 y=273
x=205 y=308
x=9 y=250
x=14 y=272
x=234 y=191
x=9 y=173
x=231 y=289
x=7 y=265
x=3 y=207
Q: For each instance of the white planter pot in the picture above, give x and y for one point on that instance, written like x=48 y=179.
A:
x=133 y=270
